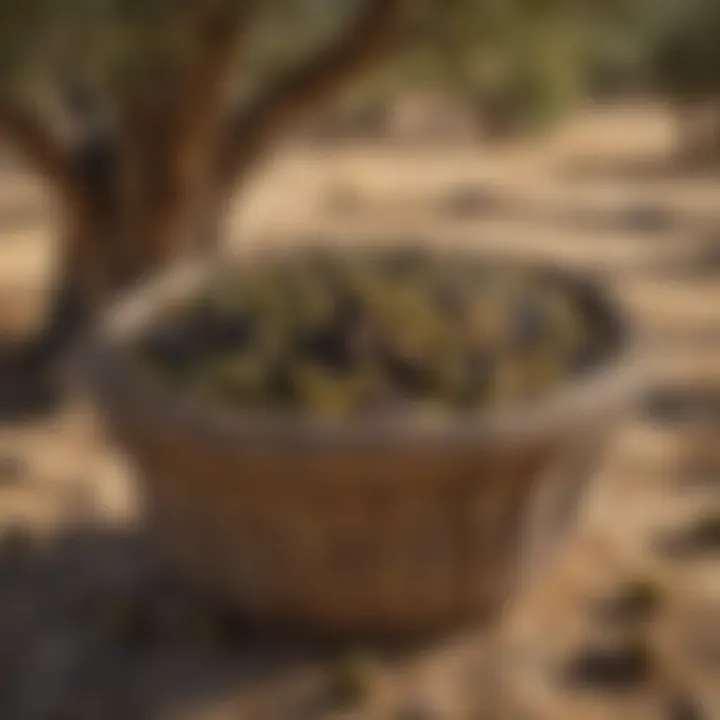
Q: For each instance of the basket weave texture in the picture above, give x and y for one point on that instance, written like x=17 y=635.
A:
x=367 y=529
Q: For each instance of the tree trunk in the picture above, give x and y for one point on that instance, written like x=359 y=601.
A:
x=159 y=188
x=105 y=255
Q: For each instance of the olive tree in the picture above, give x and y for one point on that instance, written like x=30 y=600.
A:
x=145 y=117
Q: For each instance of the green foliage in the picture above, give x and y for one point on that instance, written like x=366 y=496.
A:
x=533 y=56
x=686 y=53
x=463 y=45
x=668 y=45
x=522 y=57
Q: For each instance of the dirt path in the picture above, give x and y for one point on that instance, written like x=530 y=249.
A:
x=74 y=643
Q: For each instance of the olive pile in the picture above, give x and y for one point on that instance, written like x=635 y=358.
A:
x=342 y=333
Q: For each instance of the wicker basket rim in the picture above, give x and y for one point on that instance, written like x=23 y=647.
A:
x=114 y=377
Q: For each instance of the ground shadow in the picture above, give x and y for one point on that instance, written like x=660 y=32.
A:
x=27 y=395
x=35 y=374
x=92 y=626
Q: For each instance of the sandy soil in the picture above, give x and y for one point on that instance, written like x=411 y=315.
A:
x=91 y=629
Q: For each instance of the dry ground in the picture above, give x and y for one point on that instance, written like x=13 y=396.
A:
x=603 y=197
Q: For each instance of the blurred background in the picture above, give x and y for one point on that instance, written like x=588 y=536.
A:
x=586 y=134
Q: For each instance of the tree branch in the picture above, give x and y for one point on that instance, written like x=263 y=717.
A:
x=219 y=28
x=365 y=41
x=169 y=132
x=25 y=131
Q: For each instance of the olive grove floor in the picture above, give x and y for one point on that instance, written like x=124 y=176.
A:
x=600 y=196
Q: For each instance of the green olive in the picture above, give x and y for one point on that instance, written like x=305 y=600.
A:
x=335 y=331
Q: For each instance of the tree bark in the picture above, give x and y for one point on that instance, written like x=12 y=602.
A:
x=158 y=188
x=27 y=133
x=363 y=43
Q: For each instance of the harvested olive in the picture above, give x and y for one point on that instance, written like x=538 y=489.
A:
x=171 y=348
x=610 y=668
x=337 y=332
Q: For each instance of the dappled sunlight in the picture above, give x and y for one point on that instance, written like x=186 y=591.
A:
x=475 y=477
x=88 y=639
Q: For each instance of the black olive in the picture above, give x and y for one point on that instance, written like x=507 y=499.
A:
x=409 y=374
x=529 y=326
x=329 y=347
x=174 y=348
x=340 y=317
x=339 y=344
x=228 y=332
x=677 y=405
x=610 y=668
x=701 y=537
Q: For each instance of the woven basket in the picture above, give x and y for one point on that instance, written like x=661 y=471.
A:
x=382 y=527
